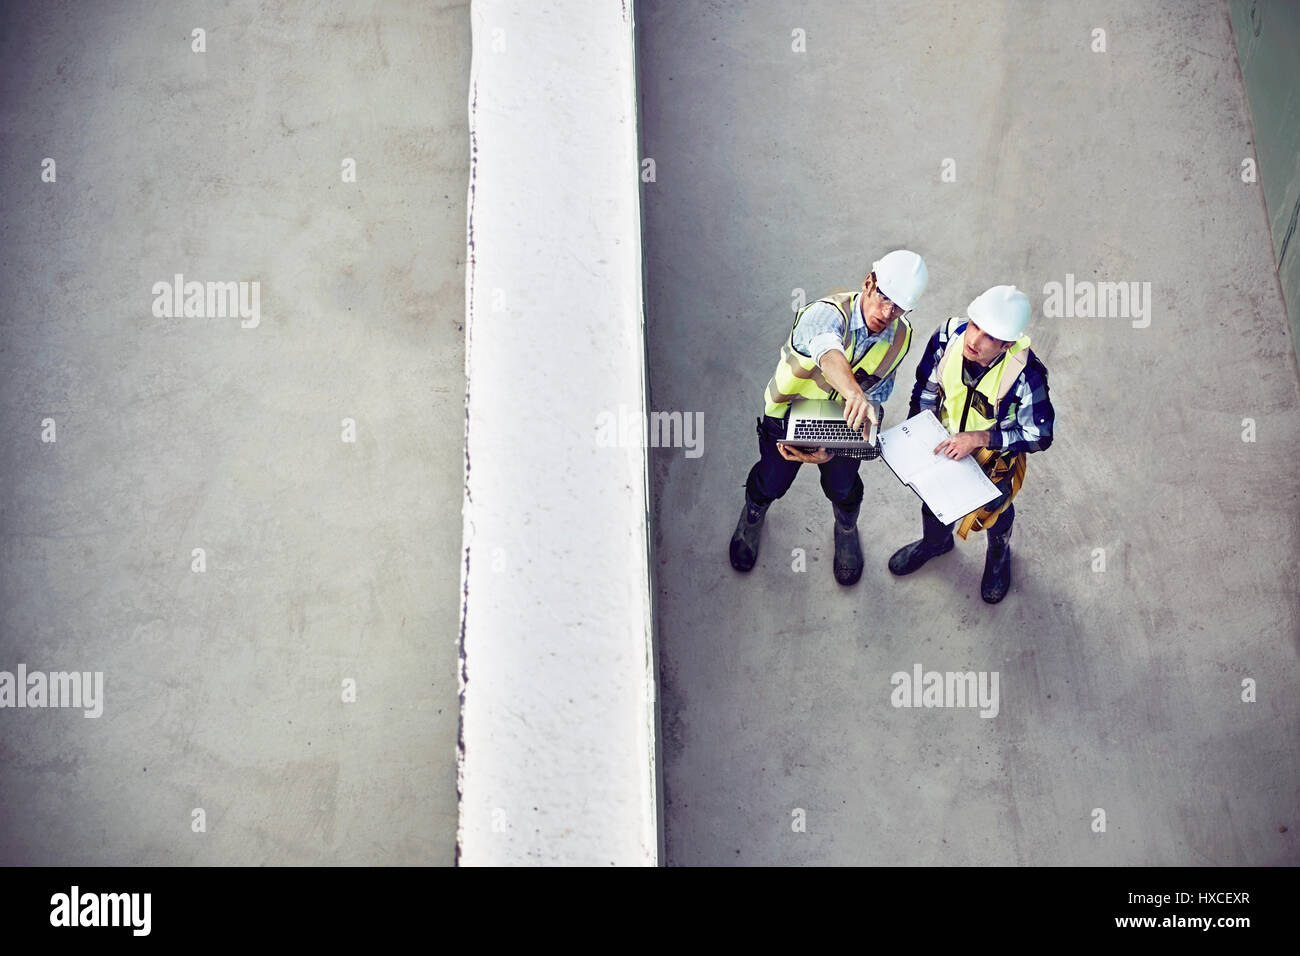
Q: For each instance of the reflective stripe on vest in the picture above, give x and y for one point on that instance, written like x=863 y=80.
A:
x=965 y=409
x=797 y=376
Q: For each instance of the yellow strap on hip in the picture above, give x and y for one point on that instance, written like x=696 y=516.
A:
x=982 y=518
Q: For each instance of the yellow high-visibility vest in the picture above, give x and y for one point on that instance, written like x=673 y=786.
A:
x=966 y=409
x=797 y=375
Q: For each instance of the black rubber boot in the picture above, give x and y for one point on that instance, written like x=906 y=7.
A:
x=744 y=543
x=936 y=539
x=848 y=547
x=997 y=569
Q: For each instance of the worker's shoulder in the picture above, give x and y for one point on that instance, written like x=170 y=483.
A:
x=1034 y=371
x=821 y=305
x=949 y=327
x=837 y=299
x=827 y=307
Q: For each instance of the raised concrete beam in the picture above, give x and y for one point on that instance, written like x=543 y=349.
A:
x=557 y=716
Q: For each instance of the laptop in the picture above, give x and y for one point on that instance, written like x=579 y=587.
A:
x=819 y=423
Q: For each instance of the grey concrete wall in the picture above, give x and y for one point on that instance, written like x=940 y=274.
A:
x=326 y=560
x=1120 y=689
x=1267 y=34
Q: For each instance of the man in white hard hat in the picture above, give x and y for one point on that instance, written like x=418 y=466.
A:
x=986 y=386
x=846 y=345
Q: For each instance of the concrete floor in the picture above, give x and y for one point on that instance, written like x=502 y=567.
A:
x=1120 y=689
x=326 y=561
x=775 y=170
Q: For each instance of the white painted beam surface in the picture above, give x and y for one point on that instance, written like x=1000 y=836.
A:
x=557 y=712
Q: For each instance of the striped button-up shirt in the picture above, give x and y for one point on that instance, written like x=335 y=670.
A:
x=1028 y=428
x=821 y=329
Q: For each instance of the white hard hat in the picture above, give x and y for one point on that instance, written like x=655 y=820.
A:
x=1002 y=312
x=901 y=275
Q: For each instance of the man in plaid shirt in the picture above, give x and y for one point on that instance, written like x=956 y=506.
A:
x=980 y=378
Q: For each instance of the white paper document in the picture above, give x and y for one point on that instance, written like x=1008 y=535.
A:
x=952 y=489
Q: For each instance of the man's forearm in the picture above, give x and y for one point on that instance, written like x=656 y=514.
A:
x=835 y=367
x=1017 y=440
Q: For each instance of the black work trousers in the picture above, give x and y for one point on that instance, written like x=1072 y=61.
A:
x=772 y=475
x=934 y=530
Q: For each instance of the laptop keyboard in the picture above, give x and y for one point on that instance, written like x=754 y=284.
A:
x=826 y=431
